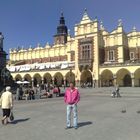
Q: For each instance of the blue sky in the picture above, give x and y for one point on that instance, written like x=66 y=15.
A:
x=29 y=22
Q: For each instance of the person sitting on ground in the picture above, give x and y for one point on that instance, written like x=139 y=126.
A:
x=56 y=90
x=49 y=95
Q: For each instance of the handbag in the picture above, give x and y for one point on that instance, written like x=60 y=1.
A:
x=11 y=116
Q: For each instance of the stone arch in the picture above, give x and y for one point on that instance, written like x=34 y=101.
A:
x=36 y=79
x=58 y=79
x=137 y=77
x=86 y=77
x=47 y=78
x=123 y=78
x=70 y=77
x=18 y=77
x=107 y=78
x=27 y=77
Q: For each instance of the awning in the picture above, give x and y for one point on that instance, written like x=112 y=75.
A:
x=53 y=66
x=12 y=69
x=64 y=65
x=42 y=67
x=47 y=66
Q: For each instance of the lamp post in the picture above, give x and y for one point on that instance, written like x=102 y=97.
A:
x=5 y=75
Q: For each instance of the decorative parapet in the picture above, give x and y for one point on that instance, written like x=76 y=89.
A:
x=41 y=66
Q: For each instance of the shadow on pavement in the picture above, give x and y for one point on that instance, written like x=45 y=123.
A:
x=19 y=120
x=81 y=124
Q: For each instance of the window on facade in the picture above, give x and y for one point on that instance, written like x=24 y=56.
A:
x=86 y=52
x=85 y=29
x=132 y=55
x=111 y=55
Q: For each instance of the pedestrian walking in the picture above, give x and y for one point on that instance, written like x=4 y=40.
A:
x=31 y=94
x=71 y=98
x=17 y=93
x=6 y=103
x=20 y=92
x=117 y=91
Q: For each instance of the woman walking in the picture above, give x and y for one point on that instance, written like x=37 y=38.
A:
x=6 y=103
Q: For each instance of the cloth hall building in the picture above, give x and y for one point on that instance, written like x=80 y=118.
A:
x=92 y=55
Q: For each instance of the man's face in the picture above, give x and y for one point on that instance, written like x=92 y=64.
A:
x=71 y=85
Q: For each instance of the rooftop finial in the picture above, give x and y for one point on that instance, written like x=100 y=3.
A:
x=101 y=25
x=96 y=19
x=120 y=22
x=62 y=14
x=134 y=29
x=85 y=9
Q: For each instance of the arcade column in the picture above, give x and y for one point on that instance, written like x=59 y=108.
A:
x=32 y=82
x=133 y=79
x=42 y=81
x=114 y=79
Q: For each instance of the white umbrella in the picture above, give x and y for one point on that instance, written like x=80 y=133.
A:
x=19 y=82
x=25 y=82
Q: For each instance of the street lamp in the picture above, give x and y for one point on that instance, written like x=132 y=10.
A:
x=5 y=75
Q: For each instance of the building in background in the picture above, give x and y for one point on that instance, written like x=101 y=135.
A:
x=92 y=56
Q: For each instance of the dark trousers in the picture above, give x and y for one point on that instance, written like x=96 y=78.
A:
x=6 y=112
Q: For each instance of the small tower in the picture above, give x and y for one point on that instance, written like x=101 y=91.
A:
x=2 y=52
x=4 y=73
x=62 y=32
x=1 y=41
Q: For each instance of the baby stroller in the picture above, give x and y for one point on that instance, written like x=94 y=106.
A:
x=113 y=94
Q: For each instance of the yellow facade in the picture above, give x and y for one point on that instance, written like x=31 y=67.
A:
x=92 y=55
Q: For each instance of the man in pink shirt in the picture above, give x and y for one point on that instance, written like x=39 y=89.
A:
x=71 y=98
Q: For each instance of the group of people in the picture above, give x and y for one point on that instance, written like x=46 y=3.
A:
x=28 y=92
x=31 y=93
x=71 y=99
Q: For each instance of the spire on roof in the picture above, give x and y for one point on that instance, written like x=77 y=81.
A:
x=85 y=18
x=134 y=29
x=62 y=14
x=85 y=15
x=101 y=26
x=120 y=22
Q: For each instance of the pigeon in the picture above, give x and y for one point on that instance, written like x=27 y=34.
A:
x=123 y=111
x=138 y=111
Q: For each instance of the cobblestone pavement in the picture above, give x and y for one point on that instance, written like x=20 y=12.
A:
x=100 y=118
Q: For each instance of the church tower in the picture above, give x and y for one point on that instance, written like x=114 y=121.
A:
x=2 y=52
x=62 y=32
